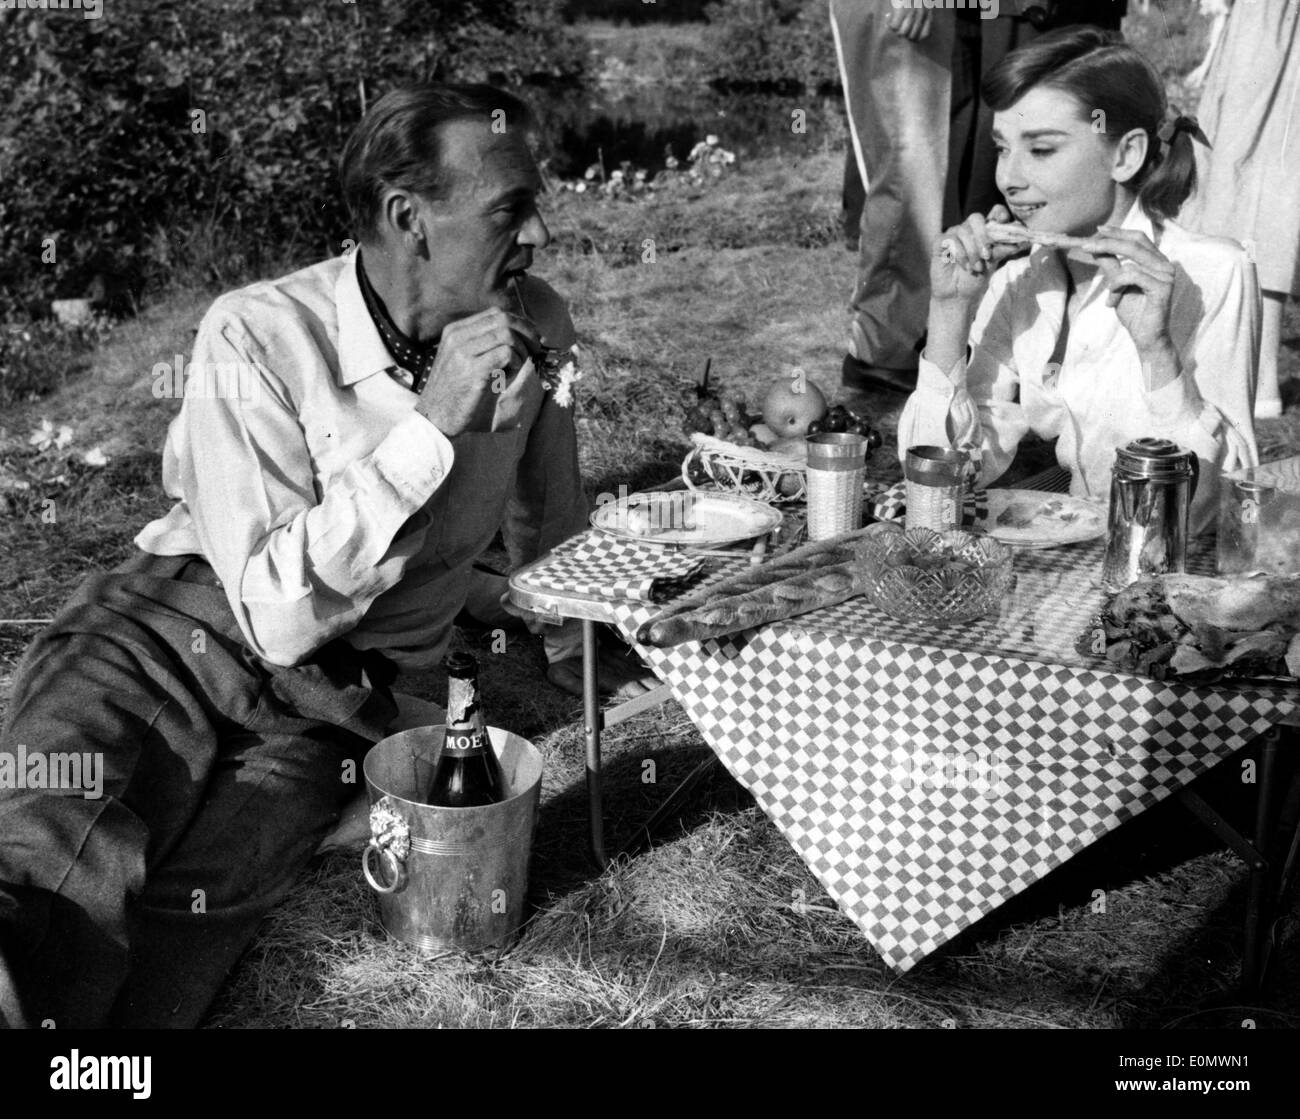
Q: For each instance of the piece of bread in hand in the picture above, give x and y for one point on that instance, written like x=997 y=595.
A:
x=1009 y=233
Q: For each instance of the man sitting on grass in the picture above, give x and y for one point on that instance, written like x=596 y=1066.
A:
x=385 y=418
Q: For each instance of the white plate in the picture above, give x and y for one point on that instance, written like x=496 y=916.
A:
x=685 y=518
x=1033 y=519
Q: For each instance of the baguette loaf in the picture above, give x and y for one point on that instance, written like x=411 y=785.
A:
x=822 y=553
x=823 y=574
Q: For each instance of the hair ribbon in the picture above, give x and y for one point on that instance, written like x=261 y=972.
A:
x=1176 y=124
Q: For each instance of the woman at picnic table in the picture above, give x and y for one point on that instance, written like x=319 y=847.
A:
x=1128 y=325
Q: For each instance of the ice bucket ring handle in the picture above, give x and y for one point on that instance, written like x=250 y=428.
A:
x=394 y=868
x=390 y=841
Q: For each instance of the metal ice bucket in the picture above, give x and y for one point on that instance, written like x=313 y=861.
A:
x=449 y=878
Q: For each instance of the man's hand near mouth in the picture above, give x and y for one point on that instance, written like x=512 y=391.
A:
x=461 y=392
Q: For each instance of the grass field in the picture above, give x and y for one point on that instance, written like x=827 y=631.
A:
x=719 y=923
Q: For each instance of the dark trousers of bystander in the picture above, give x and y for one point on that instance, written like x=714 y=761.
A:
x=897 y=96
x=220 y=775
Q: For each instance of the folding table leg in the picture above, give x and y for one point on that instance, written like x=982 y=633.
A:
x=592 y=720
x=1270 y=856
x=1289 y=823
x=1257 y=919
x=1259 y=900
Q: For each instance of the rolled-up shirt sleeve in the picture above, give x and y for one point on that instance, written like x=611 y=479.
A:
x=300 y=567
x=974 y=404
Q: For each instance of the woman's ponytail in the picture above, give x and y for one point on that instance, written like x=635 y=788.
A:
x=1167 y=182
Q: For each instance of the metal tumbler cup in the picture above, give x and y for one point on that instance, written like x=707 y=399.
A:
x=1245 y=505
x=1151 y=488
x=836 y=465
x=936 y=485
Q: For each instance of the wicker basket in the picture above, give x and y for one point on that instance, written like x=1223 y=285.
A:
x=750 y=471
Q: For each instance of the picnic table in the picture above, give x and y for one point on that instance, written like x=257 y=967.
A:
x=927 y=774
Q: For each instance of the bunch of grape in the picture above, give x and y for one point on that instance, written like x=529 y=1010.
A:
x=723 y=416
x=839 y=418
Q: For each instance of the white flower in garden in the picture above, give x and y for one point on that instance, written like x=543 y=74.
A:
x=711 y=140
x=10 y=481
x=47 y=436
x=95 y=457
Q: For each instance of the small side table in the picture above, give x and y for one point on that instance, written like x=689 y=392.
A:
x=557 y=608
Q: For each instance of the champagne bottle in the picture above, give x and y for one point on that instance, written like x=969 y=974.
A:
x=468 y=773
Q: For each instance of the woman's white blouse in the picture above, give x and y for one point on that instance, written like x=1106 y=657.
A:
x=1095 y=401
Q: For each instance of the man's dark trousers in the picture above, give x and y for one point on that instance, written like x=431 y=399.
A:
x=221 y=774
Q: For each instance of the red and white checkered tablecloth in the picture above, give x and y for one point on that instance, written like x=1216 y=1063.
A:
x=928 y=774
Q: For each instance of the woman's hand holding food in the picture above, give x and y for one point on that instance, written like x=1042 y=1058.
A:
x=963 y=259
x=965 y=256
x=1140 y=279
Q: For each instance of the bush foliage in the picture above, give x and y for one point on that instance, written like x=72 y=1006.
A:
x=783 y=45
x=636 y=12
x=168 y=129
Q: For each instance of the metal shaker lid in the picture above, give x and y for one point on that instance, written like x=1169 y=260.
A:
x=1154 y=458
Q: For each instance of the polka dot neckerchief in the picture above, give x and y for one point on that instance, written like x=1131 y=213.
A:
x=415 y=359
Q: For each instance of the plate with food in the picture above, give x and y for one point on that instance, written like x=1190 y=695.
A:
x=1032 y=519
x=685 y=518
x=1201 y=628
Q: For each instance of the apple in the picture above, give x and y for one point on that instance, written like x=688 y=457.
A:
x=789 y=484
x=787 y=412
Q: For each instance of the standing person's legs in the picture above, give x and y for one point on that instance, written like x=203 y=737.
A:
x=852 y=198
x=897 y=97
x=963 y=120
